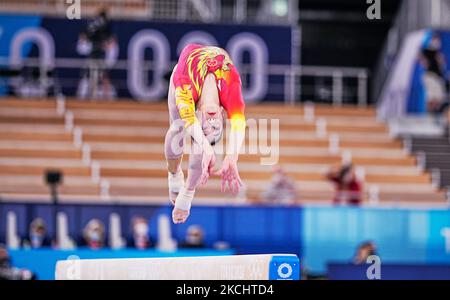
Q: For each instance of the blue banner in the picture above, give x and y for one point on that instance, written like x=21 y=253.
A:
x=156 y=44
x=268 y=229
x=317 y=235
x=407 y=236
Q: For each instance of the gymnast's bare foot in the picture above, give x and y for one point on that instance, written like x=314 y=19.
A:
x=179 y=215
x=182 y=207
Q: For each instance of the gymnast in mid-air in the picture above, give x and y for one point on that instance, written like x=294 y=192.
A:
x=204 y=90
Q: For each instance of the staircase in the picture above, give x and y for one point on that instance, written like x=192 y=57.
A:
x=436 y=156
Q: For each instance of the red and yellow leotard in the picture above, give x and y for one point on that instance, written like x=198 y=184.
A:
x=197 y=61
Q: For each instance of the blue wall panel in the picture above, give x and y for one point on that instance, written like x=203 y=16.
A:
x=317 y=234
x=401 y=235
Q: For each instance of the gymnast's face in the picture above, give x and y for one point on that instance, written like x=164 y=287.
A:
x=212 y=123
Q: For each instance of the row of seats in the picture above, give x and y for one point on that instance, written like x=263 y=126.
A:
x=126 y=140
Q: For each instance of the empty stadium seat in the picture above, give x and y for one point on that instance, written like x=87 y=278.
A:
x=126 y=140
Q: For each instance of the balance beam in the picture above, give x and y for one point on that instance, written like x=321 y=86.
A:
x=232 y=267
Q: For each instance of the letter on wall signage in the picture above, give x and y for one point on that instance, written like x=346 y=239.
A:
x=137 y=75
x=42 y=39
x=196 y=37
x=257 y=48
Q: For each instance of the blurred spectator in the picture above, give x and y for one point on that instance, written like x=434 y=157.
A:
x=281 y=189
x=38 y=234
x=433 y=60
x=141 y=239
x=195 y=237
x=94 y=234
x=363 y=251
x=221 y=245
x=348 y=187
x=8 y=272
x=99 y=45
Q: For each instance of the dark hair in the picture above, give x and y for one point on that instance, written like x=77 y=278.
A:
x=368 y=244
x=103 y=14
x=436 y=35
x=344 y=170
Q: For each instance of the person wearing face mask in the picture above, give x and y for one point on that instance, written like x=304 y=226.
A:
x=38 y=235
x=434 y=79
x=195 y=237
x=348 y=187
x=281 y=189
x=94 y=234
x=141 y=239
x=204 y=89
x=8 y=272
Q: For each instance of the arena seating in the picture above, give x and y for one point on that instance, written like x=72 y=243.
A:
x=122 y=8
x=126 y=139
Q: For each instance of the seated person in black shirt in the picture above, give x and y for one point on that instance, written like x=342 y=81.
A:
x=434 y=79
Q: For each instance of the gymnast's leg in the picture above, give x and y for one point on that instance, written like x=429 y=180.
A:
x=174 y=146
x=184 y=199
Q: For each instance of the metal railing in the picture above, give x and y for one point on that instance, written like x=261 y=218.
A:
x=334 y=85
x=210 y=11
x=291 y=83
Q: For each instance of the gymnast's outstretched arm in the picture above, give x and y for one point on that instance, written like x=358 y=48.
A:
x=229 y=170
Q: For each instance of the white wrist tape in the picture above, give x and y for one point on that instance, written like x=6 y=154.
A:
x=184 y=199
x=176 y=181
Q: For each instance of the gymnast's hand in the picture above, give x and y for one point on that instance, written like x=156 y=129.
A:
x=208 y=162
x=230 y=174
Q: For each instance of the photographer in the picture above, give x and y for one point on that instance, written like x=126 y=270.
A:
x=435 y=78
x=99 y=45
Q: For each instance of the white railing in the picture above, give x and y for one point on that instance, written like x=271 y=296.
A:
x=436 y=178
x=298 y=83
x=229 y=11
x=210 y=11
x=339 y=93
x=321 y=128
x=86 y=152
x=333 y=143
